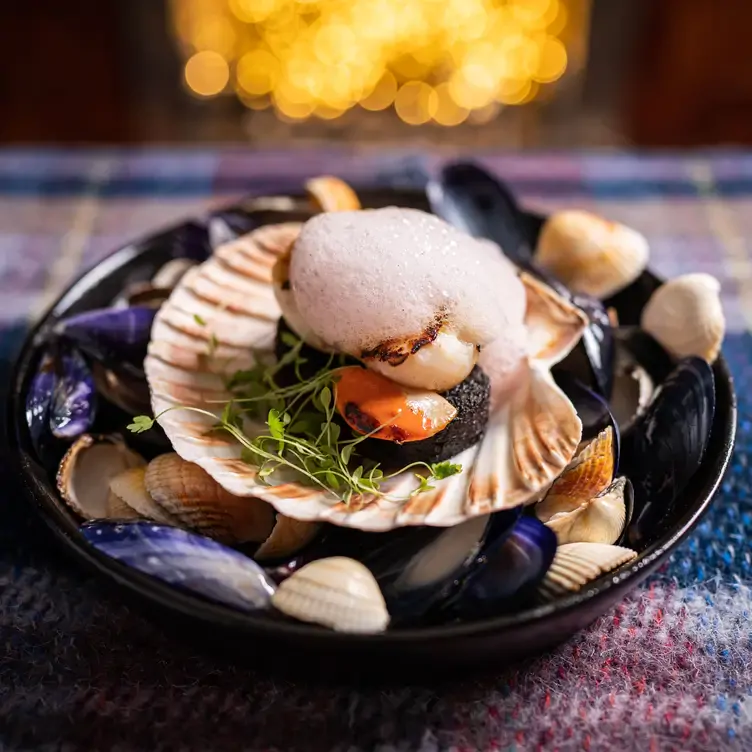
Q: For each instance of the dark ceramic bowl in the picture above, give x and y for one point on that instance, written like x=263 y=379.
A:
x=400 y=653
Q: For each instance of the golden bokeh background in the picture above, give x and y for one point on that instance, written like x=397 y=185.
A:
x=441 y=61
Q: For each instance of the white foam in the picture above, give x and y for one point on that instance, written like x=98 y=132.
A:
x=360 y=278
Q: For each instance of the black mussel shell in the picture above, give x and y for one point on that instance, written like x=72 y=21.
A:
x=507 y=571
x=630 y=301
x=189 y=240
x=416 y=567
x=640 y=366
x=39 y=401
x=116 y=337
x=592 y=360
x=663 y=448
x=592 y=409
x=628 y=509
x=472 y=199
x=74 y=400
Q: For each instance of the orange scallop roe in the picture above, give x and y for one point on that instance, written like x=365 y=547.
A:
x=367 y=400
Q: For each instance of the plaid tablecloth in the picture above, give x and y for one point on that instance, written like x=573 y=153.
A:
x=668 y=669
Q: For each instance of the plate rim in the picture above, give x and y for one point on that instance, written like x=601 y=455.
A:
x=42 y=496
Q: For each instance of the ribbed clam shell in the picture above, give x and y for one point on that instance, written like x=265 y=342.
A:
x=130 y=488
x=119 y=510
x=192 y=496
x=686 y=317
x=85 y=472
x=590 y=254
x=526 y=446
x=587 y=476
x=339 y=593
x=287 y=537
x=578 y=564
x=600 y=519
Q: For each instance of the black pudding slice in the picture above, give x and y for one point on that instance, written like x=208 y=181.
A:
x=471 y=397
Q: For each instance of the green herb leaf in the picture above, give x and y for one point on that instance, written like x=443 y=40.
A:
x=325 y=398
x=276 y=424
x=140 y=424
x=441 y=470
x=289 y=339
x=333 y=481
x=199 y=320
x=346 y=452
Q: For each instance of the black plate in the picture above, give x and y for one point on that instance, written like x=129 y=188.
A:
x=283 y=644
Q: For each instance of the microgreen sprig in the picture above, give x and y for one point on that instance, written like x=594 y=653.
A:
x=301 y=433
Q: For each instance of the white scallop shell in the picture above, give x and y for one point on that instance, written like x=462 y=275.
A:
x=338 y=592
x=686 y=317
x=575 y=565
x=529 y=441
x=591 y=254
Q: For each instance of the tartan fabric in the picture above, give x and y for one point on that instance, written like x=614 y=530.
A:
x=670 y=668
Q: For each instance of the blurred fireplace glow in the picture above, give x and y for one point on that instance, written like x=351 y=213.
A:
x=431 y=60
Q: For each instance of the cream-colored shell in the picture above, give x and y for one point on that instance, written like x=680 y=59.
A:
x=130 y=488
x=528 y=442
x=597 y=520
x=575 y=565
x=590 y=254
x=287 y=537
x=189 y=494
x=170 y=274
x=85 y=471
x=685 y=315
x=339 y=593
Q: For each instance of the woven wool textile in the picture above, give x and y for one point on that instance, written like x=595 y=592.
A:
x=670 y=668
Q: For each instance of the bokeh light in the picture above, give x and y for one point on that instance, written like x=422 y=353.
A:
x=441 y=61
x=206 y=73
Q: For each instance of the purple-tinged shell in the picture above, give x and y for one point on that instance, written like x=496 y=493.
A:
x=508 y=569
x=74 y=400
x=185 y=560
x=114 y=336
x=190 y=240
x=39 y=400
x=664 y=447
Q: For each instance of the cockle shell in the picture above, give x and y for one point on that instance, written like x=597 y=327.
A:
x=589 y=474
x=287 y=537
x=128 y=489
x=576 y=565
x=86 y=470
x=190 y=495
x=599 y=519
x=528 y=442
x=686 y=317
x=338 y=592
x=590 y=254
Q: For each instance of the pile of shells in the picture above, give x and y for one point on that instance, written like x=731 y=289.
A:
x=644 y=394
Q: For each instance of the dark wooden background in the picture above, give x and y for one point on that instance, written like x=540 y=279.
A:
x=661 y=73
